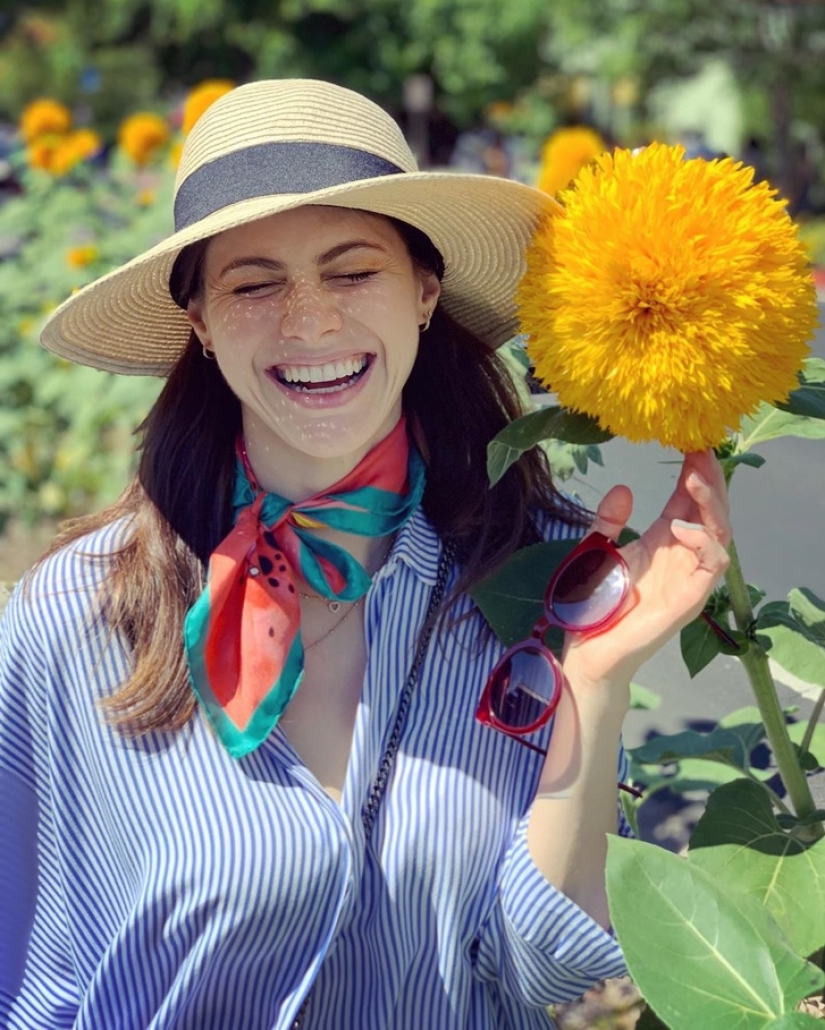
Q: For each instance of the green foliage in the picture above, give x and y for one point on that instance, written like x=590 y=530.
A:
x=65 y=430
x=739 y=840
x=698 y=948
x=554 y=423
x=718 y=939
x=476 y=51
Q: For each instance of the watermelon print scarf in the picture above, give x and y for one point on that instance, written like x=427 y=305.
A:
x=242 y=637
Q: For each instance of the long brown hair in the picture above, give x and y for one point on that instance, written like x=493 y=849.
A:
x=458 y=396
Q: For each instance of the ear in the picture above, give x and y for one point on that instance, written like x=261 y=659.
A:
x=194 y=313
x=430 y=292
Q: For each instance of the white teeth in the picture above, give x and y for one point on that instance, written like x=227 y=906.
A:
x=322 y=373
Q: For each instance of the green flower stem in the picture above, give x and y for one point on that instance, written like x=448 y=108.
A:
x=809 y=729
x=755 y=661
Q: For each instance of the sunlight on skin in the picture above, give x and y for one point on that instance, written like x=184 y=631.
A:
x=275 y=297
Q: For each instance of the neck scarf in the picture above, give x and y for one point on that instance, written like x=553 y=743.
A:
x=242 y=637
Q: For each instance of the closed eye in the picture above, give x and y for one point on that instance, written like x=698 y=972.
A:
x=355 y=277
x=249 y=289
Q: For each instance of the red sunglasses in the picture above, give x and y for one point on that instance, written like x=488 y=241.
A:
x=586 y=594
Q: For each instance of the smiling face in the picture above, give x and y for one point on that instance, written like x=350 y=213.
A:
x=313 y=317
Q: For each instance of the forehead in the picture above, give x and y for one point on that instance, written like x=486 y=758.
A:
x=305 y=229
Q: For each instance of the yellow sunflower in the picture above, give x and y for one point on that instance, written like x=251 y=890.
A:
x=79 y=257
x=73 y=148
x=669 y=298
x=142 y=135
x=202 y=97
x=41 y=151
x=44 y=117
x=564 y=155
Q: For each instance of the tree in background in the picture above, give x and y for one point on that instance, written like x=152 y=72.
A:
x=116 y=55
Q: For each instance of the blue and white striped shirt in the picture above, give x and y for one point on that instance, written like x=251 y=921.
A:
x=158 y=883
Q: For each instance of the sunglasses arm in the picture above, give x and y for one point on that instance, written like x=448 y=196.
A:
x=540 y=628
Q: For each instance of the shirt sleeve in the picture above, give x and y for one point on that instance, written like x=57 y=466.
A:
x=37 y=984
x=538 y=944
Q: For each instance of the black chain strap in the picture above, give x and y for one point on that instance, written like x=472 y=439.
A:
x=379 y=784
x=370 y=809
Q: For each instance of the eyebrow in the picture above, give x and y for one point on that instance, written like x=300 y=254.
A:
x=321 y=259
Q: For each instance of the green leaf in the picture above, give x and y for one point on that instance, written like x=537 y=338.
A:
x=630 y=806
x=642 y=697
x=728 y=745
x=511 y=598
x=728 y=464
x=794 y=1021
x=809 y=612
x=699 y=645
x=809 y=397
x=796 y=731
x=739 y=841
x=769 y=423
x=567 y=458
x=788 y=643
x=551 y=423
x=670 y=915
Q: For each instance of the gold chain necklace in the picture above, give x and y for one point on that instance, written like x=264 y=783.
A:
x=335 y=626
x=335 y=606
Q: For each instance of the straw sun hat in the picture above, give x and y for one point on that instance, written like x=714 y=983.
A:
x=272 y=146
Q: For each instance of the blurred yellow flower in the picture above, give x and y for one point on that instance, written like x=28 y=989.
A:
x=200 y=98
x=79 y=257
x=564 y=155
x=146 y=198
x=44 y=116
x=175 y=152
x=669 y=298
x=73 y=148
x=40 y=152
x=141 y=135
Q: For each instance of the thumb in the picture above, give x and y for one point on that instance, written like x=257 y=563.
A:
x=613 y=512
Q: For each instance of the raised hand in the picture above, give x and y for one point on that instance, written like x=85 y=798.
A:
x=674 y=566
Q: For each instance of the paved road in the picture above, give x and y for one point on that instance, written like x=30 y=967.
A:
x=778 y=513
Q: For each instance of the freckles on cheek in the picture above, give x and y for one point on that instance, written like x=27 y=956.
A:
x=237 y=327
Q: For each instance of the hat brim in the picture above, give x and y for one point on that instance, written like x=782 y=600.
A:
x=127 y=322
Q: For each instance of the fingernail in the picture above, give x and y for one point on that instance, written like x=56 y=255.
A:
x=687 y=525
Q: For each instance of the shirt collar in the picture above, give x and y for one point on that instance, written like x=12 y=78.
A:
x=418 y=547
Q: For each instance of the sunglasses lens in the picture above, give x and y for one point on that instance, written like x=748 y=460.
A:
x=524 y=686
x=589 y=589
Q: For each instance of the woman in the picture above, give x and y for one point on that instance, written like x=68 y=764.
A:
x=238 y=738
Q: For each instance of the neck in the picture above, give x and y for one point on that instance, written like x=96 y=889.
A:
x=292 y=473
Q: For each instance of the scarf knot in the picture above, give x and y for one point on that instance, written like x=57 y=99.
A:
x=242 y=636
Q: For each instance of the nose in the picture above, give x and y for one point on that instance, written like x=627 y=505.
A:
x=309 y=312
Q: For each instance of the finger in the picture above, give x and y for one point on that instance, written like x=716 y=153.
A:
x=613 y=512
x=710 y=553
x=701 y=484
x=711 y=504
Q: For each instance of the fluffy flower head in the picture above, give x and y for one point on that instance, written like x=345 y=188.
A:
x=141 y=135
x=669 y=298
x=75 y=147
x=44 y=117
x=564 y=155
x=202 y=97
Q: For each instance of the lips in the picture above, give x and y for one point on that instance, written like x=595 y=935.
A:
x=330 y=377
